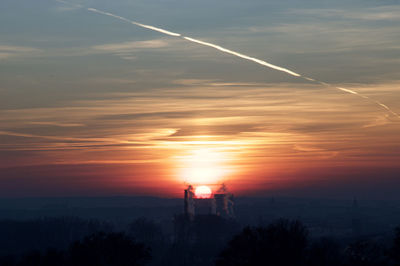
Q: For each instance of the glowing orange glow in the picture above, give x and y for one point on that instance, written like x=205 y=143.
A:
x=204 y=166
x=252 y=145
x=203 y=192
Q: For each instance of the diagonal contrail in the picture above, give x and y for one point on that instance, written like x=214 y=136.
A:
x=134 y=22
x=258 y=61
x=243 y=56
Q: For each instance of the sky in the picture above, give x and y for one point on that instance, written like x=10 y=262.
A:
x=92 y=105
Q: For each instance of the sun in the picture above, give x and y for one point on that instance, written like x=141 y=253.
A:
x=203 y=192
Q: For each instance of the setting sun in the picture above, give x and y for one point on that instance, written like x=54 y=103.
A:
x=203 y=192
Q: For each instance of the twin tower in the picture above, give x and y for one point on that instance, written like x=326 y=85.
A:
x=220 y=203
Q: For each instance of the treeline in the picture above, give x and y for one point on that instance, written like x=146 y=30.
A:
x=114 y=249
x=196 y=242
x=17 y=237
x=287 y=243
x=207 y=240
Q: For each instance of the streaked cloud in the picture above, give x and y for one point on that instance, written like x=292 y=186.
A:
x=56 y=124
x=251 y=126
x=76 y=115
x=249 y=58
x=127 y=50
x=131 y=46
x=387 y=12
x=336 y=36
x=9 y=51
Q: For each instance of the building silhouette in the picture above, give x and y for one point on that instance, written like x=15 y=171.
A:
x=224 y=202
x=189 y=207
x=220 y=203
x=205 y=220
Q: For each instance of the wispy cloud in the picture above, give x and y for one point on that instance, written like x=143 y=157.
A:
x=252 y=59
x=127 y=50
x=253 y=126
x=388 y=13
x=131 y=46
x=333 y=36
x=122 y=117
x=56 y=124
x=68 y=6
x=8 y=51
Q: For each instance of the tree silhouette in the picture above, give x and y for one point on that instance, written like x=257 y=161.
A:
x=7 y=261
x=32 y=258
x=146 y=231
x=17 y=237
x=213 y=229
x=282 y=243
x=113 y=249
x=364 y=253
x=100 y=249
x=54 y=257
x=324 y=252
x=395 y=250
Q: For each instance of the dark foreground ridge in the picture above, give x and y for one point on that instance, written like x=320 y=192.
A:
x=283 y=242
x=155 y=231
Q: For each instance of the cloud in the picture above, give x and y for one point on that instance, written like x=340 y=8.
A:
x=8 y=51
x=131 y=46
x=388 y=13
x=67 y=6
x=333 y=36
x=379 y=121
x=127 y=50
x=220 y=48
x=56 y=124
x=246 y=57
x=256 y=127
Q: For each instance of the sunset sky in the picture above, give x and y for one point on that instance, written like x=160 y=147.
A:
x=91 y=105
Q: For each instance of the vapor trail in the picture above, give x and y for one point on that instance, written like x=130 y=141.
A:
x=258 y=61
x=222 y=49
x=157 y=29
x=134 y=22
x=246 y=57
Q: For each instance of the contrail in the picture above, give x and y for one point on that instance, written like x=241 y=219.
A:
x=258 y=61
x=135 y=23
x=243 y=56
